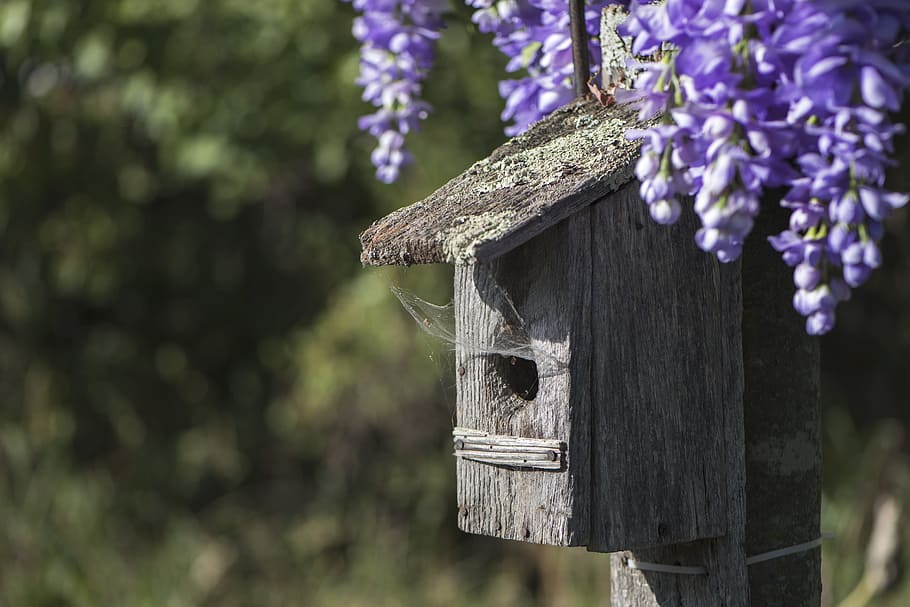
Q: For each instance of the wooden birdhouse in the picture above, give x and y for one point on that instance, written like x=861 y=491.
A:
x=597 y=401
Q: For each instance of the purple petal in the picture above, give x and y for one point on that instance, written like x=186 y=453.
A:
x=876 y=92
x=820 y=322
x=855 y=275
x=806 y=276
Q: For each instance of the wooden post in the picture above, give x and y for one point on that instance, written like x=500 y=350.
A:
x=782 y=419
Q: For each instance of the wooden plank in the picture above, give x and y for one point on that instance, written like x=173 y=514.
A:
x=470 y=439
x=661 y=382
x=541 y=291
x=723 y=558
x=560 y=165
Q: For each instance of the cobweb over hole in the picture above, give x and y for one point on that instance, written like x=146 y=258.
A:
x=439 y=321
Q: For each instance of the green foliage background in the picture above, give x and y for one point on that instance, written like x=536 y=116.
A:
x=204 y=400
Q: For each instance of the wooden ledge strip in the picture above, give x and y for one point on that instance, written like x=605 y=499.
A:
x=512 y=451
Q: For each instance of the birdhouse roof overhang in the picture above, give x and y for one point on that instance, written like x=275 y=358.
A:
x=574 y=157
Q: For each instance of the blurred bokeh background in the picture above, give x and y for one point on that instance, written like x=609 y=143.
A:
x=205 y=400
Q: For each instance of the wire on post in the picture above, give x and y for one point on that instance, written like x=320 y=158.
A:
x=632 y=563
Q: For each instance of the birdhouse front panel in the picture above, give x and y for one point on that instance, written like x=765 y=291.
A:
x=523 y=438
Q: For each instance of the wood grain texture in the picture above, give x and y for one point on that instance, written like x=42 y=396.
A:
x=560 y=165
x=540 y=290
x=663 y=387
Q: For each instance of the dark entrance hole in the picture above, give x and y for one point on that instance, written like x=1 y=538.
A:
x=520 y=374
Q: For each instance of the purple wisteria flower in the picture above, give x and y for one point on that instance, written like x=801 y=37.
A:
x=773 y=93
x=398 y=39
x=845 y=70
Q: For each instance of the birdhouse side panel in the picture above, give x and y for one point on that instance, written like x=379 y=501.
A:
x=523 y=386
x=667 y=380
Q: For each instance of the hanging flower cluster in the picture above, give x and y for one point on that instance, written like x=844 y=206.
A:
x=776 y=93
x=397 y=49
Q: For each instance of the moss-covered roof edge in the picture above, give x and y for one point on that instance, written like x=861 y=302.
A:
x=574 y=157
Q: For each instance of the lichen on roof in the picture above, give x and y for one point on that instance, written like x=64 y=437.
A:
x=583 y=149
x=566 y=161
x=460 y=240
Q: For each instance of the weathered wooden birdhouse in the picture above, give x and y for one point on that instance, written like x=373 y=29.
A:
x=592 y=348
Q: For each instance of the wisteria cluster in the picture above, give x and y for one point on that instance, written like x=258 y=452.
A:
x=764 y=94
x=397 y=49
x=535 y=36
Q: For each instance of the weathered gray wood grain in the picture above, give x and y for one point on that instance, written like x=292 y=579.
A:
x=661 y=381
x=642 y=322
x=560 y=165
x=546 y=282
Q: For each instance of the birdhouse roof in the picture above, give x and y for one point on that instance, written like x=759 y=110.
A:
x=563 y=163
